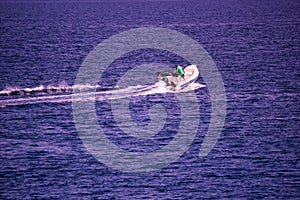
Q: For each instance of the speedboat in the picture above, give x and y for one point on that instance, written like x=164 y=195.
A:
x=174 y=82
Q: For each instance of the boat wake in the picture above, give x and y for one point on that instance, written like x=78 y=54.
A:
x=62 y=88
x=13 y=96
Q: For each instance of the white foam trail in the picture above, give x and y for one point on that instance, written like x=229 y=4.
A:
x=62 y=87
x=130 y=91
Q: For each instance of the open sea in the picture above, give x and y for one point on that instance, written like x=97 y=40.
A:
x=256 y=48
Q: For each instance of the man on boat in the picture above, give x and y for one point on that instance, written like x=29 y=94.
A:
x=179 y=70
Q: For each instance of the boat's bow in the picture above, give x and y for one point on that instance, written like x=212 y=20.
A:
x=191 y=75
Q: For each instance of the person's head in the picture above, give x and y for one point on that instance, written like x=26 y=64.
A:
x=176 y=66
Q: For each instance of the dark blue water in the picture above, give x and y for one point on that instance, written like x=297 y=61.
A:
x=256 y=48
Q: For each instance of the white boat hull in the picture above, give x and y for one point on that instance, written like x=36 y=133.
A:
x=174 y=82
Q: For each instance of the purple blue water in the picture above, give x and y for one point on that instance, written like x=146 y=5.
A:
x=256 y=47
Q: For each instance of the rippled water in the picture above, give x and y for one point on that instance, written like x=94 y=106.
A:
x=255 y=46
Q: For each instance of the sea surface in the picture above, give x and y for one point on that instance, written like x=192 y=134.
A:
x=256 y=48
